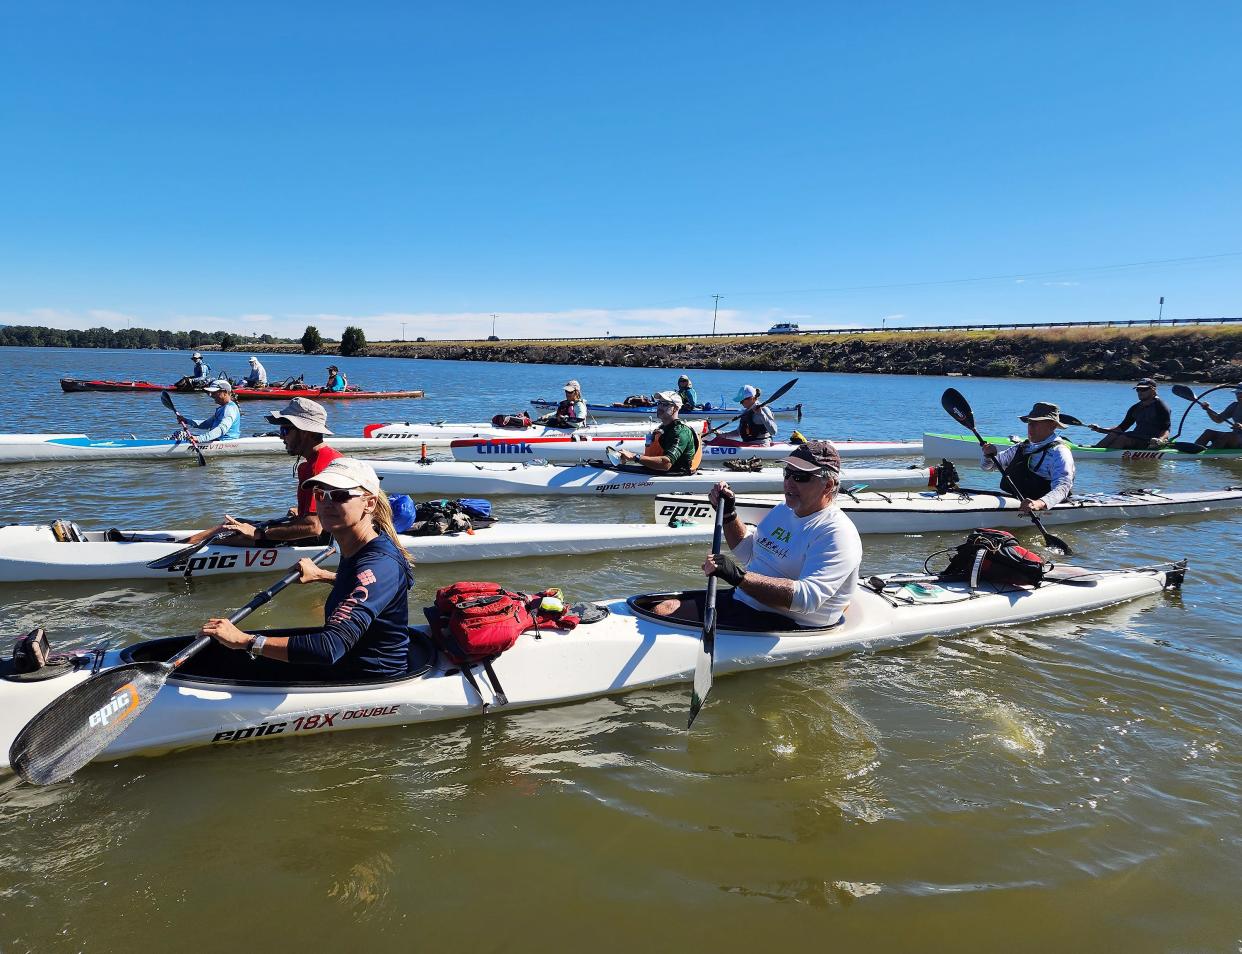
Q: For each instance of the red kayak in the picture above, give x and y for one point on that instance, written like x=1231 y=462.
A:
x=242 y=394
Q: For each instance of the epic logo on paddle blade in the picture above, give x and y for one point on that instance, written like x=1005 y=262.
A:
x=123 y=702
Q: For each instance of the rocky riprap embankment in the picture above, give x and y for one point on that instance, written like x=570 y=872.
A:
x=1197 y=356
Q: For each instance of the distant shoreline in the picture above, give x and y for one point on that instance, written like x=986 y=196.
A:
x=1208 y=353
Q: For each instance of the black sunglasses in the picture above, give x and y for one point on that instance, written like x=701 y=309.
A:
x=804 y=476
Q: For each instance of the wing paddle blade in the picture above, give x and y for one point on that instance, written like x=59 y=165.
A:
x=72 y=729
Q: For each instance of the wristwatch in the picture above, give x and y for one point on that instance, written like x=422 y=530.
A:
x=256 y=647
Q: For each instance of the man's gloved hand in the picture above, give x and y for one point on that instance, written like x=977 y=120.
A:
x=724 y=567
x=177 y=435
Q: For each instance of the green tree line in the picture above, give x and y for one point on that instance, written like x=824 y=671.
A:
x=36 y=336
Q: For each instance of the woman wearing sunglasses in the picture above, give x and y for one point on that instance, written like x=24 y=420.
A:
x=366 y=619
x=800 y=564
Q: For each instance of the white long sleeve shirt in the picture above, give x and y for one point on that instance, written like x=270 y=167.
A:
x=1057 y=466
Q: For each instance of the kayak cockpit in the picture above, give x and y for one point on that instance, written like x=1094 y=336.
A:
x=216 y=665
x=730 y=617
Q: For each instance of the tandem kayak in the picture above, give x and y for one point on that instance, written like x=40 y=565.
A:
x=242 y=394
x=929 y=512
x=577 y=449
x=461 y=479
x=39 y=448
x=219 y=697
x=965 y=447
x=443 y=433
x=29 y=553
x=621 y=412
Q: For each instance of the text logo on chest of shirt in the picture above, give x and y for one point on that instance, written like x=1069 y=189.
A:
x=773 y=541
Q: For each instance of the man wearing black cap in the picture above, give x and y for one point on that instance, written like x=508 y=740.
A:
x=1149 y=417
x=1041 y=468
x=800 y=564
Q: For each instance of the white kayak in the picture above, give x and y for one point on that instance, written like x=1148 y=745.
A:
x=965 y=447
x=29 y=553
x=461 y=479
x=928 y=512
x=620 y=412
x=718 y=450
x=40 y=448
x=215 y=700
x=441 y=433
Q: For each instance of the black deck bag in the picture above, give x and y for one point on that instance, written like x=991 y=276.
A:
x=994 y=556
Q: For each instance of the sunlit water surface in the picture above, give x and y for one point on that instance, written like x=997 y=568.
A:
x=1069 y=785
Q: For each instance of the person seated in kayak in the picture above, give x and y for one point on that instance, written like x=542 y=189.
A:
x=257 y=378
x=799 y=565
x=1041 y=467
x=1232 y=415
x=224 y=424
x=336 y=379
x=1149 y=417
x=756 y=425
x=201 y=375
x=571 y=412
x=366 y=618
x=303 y=424
x=674 y=447
x=685 y=391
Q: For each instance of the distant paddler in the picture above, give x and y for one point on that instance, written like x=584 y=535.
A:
x=199 y=377
x=689 y=397
x=756 y=425
x=1149 y=417
x=674 y=447
x=571 y=412
x=365 y=632
x=303 y=425
x=336 y=379
x=257 y=378
x=1041 y=468
x=1232 y=416
x=223 y=425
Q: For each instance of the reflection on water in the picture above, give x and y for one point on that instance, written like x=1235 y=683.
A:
x=1062 y=785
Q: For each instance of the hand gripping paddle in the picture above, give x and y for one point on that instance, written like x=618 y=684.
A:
x=72 y=729
x=707 y=645
x=959 y=409
x=185 y=425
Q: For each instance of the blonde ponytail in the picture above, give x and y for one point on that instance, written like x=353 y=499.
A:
x=381 y=519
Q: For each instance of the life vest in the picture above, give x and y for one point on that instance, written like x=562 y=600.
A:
x=1020 y=476
x=751 y=427
x=655 y=449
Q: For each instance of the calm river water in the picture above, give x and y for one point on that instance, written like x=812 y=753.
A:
x=1068 y=785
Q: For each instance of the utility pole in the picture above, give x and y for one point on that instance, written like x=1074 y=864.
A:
x=494 y=317
x=1160 y=315
x=403 y=331
x=715 y=309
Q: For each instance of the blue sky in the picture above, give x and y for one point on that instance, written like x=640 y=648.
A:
x=580 y=168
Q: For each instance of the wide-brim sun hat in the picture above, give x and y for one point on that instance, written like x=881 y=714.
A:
x=572 y=386
x=304 y=414
x=346 y=473
x=1042 y=411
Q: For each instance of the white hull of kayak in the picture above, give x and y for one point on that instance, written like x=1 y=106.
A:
x=30 y=553
x=963 y=447
x=575 y=450
x=54 y=448
x=441 y=434
x=929 y=512
x=456 y=478
x=612 y=412
x=624 y=651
